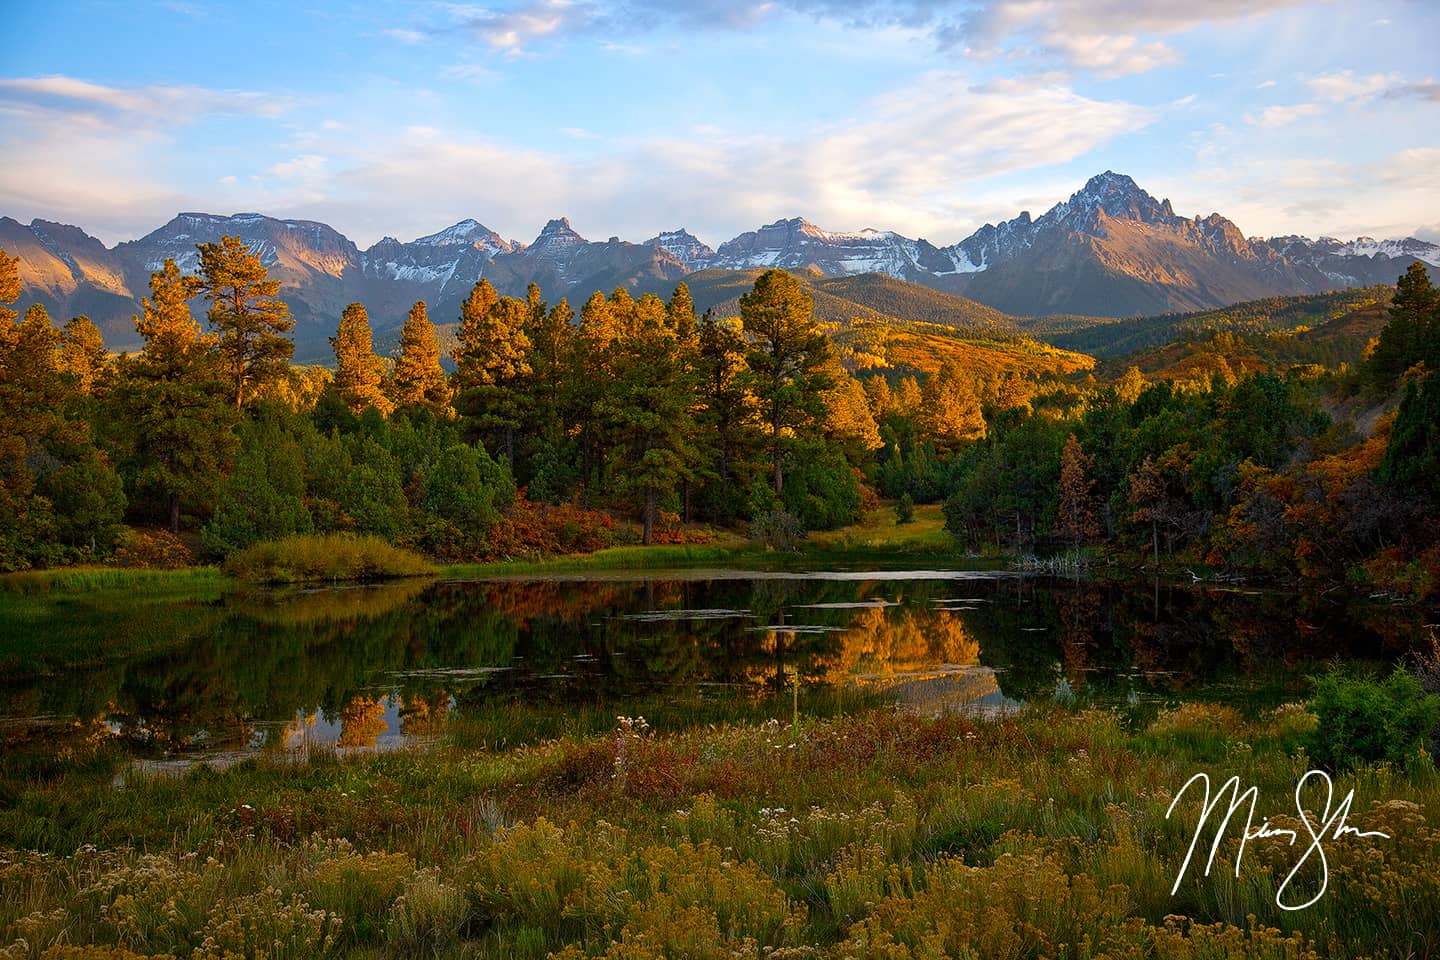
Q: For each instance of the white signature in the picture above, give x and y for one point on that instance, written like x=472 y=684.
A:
x=1331 y=827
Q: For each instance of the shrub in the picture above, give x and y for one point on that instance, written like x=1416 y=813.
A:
x=153 y=550
x=1363 y=720
x=427 y=916
x=533 y=529
x=360 y=888
x=262 y=499
x=325 y=557
x=777 y=530
x=820 y=488
x=904 y=509
x=266 y=926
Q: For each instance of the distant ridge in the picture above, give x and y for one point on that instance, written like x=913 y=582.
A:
x=1109 y=250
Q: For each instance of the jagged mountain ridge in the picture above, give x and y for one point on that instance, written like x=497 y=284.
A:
x=1110 y=249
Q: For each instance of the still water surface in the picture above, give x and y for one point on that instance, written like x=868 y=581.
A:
x=373 y=668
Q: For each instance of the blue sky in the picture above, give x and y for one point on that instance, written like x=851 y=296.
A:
x=928 y=117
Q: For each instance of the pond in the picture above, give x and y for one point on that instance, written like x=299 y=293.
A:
x=173 y=680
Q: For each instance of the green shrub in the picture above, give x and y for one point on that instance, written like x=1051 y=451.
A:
x=777 y=530
x=904 y=509
x=324 y=557
x=1363 y=720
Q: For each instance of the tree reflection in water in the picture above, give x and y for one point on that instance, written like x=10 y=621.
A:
x=401 y=661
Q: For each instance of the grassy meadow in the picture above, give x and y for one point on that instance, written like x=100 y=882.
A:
x=859 y=831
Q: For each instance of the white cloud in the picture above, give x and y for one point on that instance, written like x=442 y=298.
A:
x=1112 y=55
x=470 y=73
x=55 y=99
x=1345 y=86
x=1265 y=85
x=912 y=161
x=1111 y=37
x=104 y=157
x=308 y=166
x=1282 y=116
x=405 y=36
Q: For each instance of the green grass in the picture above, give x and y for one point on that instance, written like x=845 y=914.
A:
x=325 y=558
x=662 y=556
x=132 y=581
x=877 y=539
x=1042 y=834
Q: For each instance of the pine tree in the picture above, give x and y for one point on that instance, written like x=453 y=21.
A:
x=473 y=318
x=728 y=419
x=417 y=379
x=647 y=409
x=681 y=309
x=551 y=342
x=1413 y=333
x=179 y=423
x=587 y=373
x=358 y=372
x=82 y=353
x=492 y=364
x=47 y=459
x=787 y=358
x=1076 y=520
x=246 y=313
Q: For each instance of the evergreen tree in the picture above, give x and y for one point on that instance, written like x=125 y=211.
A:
x=681 y=309
x=177 y=424
x=492 y=365
x=551 y=342
x=57 y=491
x=1076 y=520
x=1412 y=457
x=787 y=359
x=263 y=498
x=1413 y=333
x=587 y=373
x=82 y=353
x=647 y=409
x=417 y=380
x=728 y=424
x=877 y=394
x=358 y=372
x=247 y=314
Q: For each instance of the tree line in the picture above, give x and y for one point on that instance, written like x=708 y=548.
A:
x=637 y=407
x=634 y=406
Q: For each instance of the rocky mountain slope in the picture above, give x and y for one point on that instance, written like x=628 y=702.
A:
x=1109 y=250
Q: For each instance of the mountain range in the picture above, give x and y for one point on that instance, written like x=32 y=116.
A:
x=1110 y=250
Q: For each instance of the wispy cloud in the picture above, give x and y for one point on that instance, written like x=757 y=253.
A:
x=1426 y=90
x=1282 y=116
x=1109 y=37
x=1346 y=86
x=56 y=99
x=404 y=35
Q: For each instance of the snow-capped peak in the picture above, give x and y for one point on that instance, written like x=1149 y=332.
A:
x=683 y=246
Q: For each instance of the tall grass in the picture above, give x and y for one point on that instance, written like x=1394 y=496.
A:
x=327 y=557
x=88 y=579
